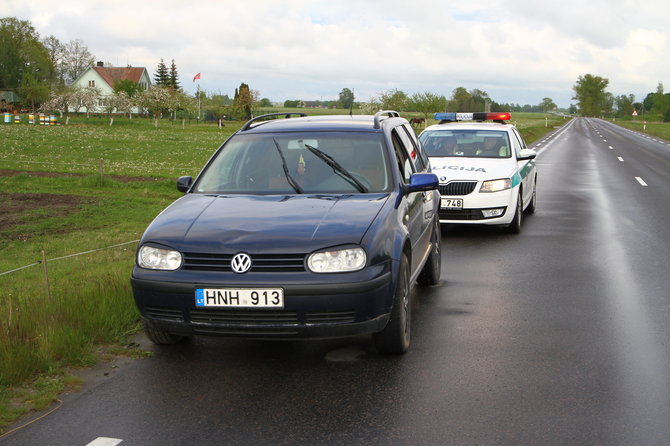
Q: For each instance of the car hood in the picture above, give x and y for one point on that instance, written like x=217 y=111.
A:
x=480 y=169
x=269 y=223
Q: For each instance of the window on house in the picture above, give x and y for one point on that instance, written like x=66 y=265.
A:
x=91 y=83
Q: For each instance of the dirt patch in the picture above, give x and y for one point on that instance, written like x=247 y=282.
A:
x=16 y=206
x=121 y=178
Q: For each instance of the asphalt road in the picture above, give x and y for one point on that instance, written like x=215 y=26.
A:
x=559 y=335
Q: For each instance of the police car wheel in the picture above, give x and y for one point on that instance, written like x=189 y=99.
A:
x=531 y=206
x=515 y=226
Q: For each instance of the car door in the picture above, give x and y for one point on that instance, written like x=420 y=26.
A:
x=414 y=218
x=423 y=166
x=526 y=168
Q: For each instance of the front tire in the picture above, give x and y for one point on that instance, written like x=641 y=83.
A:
x=158 y=336
x=531 y=206
x=430 y=274
x=515 y=226
x=395 y=337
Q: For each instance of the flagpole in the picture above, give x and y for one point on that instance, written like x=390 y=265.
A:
x=197 y=78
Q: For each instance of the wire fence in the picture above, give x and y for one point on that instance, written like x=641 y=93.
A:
x=39 y=262
x=94 y=165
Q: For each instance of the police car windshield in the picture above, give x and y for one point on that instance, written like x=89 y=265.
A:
x=298 y=163
x=466 y=143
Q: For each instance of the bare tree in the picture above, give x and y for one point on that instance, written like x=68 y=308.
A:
x=76 y=59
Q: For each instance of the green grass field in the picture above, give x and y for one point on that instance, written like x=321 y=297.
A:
x=54 y=199
x=658 y=129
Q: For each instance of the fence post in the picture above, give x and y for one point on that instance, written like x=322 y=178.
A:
x=100 y=171
x=46 y=275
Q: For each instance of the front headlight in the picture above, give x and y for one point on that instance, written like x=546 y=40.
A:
x=496 y=185
x=337 y=260
x=156 y=258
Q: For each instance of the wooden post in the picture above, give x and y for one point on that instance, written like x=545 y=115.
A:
x=100 y=171
x=46 y=275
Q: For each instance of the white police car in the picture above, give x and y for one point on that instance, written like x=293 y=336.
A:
x=487 y=174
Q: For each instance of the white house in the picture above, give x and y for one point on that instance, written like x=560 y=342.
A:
x=103 y=78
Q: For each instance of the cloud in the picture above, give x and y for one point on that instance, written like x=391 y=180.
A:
x=517 y=51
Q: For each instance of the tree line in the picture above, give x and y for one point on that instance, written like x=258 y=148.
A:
x=42 y=71
x=593 y=99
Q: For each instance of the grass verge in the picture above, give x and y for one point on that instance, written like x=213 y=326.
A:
x=56 y=199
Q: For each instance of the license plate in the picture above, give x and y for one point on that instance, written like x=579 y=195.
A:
x=452 y=203
x=240 y=297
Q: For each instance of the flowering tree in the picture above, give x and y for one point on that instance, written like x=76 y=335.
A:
x=119 y=102
x=71 y=98
x=155 y=99
x=87 y=98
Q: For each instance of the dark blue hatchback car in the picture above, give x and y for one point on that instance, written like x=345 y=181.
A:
x=299 y=227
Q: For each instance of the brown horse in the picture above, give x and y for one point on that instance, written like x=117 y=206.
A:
x=417 y=121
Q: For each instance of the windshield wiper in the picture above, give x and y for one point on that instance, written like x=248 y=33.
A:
x=294 y=184
x=337 y=168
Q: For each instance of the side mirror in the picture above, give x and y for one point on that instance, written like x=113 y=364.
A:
x=420 y=182
x=526 y=154
x=184 y=183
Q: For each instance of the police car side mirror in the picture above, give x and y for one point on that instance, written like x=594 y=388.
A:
x=184 y=183
x=526 y=154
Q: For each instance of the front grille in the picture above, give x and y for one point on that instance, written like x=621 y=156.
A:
x=164 y=313
x=330 y=317
x=462 y=214
x=242 y=318
x=458 y=188
x=259 y=262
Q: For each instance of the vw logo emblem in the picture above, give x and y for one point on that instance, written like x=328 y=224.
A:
x=241 y=263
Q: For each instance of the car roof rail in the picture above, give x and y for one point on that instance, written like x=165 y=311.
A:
x=379 y=116
x=287 y=115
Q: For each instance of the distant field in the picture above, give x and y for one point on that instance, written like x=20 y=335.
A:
x=658 y=129
x=54 y=199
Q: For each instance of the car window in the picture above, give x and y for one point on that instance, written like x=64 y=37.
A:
x=466 y=143
x=286 y=163
x=421 y=161
x=405 y=165
x=517 y=143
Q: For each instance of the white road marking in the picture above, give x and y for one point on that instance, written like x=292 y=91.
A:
x=104 y=441
x=620 y=159
x=641 y=181
x=611 y=148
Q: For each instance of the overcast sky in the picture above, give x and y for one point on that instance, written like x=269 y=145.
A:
x=517 y=51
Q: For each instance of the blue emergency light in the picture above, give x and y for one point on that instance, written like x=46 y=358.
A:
x=477 y=116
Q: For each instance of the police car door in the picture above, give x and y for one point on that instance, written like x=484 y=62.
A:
x=525 y=168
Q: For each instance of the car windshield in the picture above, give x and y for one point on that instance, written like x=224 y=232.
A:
x=290 y=163
x=466 y=143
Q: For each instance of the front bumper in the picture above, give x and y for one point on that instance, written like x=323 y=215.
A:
x=476 y=205
x=312 y=308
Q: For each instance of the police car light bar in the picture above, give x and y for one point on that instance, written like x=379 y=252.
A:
x=477 y=116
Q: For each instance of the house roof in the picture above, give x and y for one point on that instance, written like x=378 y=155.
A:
x=9 y=96
x=111 y=75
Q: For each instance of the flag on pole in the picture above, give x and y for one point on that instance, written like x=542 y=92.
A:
x=196 y=77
